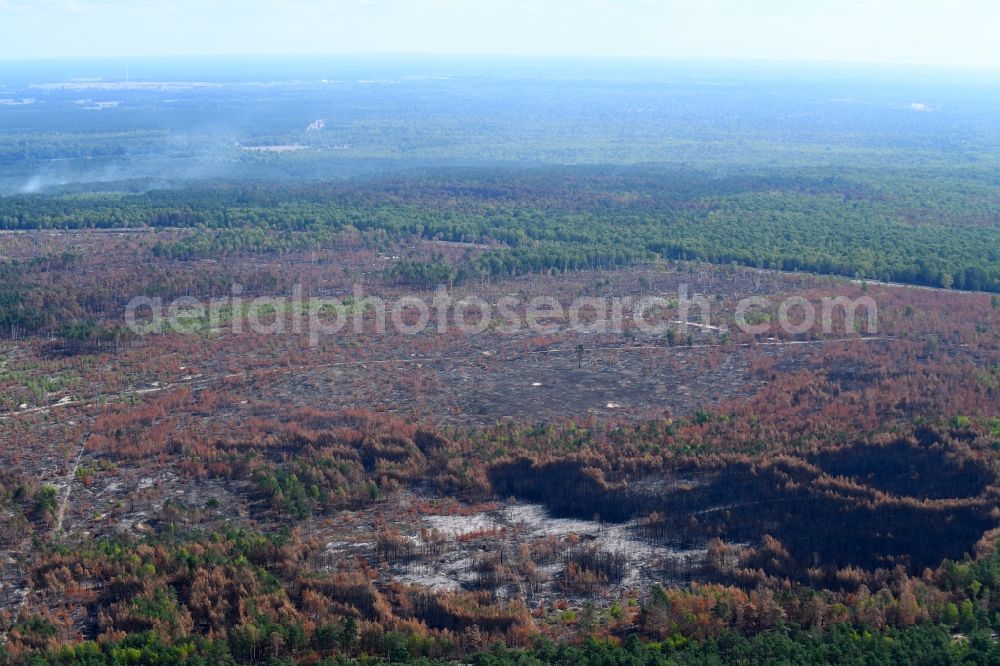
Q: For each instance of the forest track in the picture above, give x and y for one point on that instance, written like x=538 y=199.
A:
x=68 y=489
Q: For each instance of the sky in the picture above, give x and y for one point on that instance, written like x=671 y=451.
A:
x=942 y=32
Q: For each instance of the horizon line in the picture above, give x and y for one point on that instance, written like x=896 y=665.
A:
x=512 y=57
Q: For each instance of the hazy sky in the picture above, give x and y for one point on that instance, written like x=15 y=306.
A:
x=960 y=32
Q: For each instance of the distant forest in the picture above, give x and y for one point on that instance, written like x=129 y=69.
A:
x=901 y=226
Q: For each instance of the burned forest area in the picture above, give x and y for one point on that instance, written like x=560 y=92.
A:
x=442 y=491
